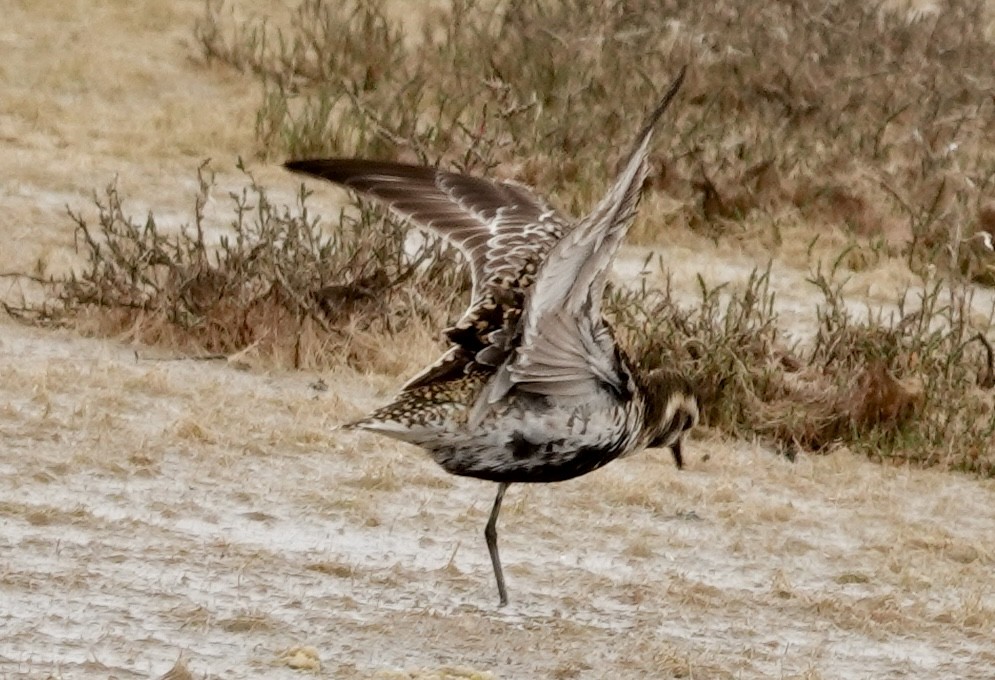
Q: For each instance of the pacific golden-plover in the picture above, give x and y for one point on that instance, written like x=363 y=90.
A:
x=533 y=387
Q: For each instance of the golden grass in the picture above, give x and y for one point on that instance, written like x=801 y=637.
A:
x=179 y=671
x=124 y=96
x=301 y=658
x=119 y=82
x=246 y=622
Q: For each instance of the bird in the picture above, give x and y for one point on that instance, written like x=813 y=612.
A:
x=533 y=386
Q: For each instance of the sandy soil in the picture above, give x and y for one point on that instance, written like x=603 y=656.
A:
x=161 y=510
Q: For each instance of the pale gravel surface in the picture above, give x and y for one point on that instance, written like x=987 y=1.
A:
x=152 y=510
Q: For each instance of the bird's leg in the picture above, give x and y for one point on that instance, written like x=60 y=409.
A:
x=490 y=533
x=675 y=449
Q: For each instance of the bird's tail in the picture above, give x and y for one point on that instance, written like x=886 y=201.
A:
x=386 y=427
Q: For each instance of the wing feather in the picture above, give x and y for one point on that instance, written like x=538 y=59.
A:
x=565 y=346
x=503 y=230
x=535 y=309
x=498 y=226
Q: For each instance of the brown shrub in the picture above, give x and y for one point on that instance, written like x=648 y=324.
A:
x=276 y=284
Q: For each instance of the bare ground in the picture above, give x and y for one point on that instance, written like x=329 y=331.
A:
x=154 y=510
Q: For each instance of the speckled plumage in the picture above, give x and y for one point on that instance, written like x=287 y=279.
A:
x=533 y=387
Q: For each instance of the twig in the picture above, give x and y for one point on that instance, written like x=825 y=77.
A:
x=200 y=357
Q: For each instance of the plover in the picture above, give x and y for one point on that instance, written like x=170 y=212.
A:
x=533 y=387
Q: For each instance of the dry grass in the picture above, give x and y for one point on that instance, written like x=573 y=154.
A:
x=274 y=288
x=796 y=120
x=911 y=386
x=104 y=103
x=162 y=509
x=179 y=671
x=874 y=120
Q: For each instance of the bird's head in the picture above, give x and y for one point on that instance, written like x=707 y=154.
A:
x=671 y=411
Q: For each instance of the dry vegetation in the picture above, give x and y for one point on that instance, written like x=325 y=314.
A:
x=181 y=514
x=869 y=123
x=273 y=283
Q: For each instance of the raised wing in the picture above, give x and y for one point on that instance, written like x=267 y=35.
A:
x=565 y=347
x=501 y=227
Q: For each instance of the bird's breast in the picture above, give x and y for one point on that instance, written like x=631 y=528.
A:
x=532 y=440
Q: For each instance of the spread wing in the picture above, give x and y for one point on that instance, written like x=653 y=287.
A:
x=500 y=227
x=565 y=347
x=503 y=229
